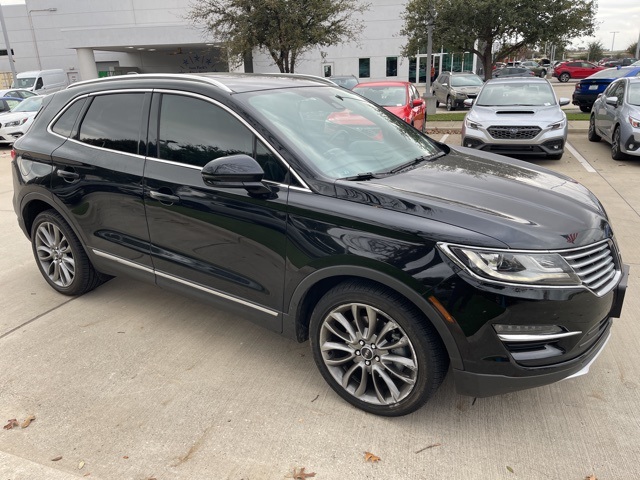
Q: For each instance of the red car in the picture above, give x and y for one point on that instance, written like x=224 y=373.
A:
x=400 y=98
x=579 y=69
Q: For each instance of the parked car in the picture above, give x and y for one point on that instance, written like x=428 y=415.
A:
x=17 y=93
x=517 y=116
x=345 y=81
x=395 y=255
x=452 y=89
x=535 y=67
x=615 y=117
x=512 y=72
x=581 y=69
x=587 y=90
x=14 y=123
x=7 y=103
x=42 y=82
x=400 y=98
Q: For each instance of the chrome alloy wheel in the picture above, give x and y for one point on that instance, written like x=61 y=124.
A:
x=55 y=254
x=368 y=353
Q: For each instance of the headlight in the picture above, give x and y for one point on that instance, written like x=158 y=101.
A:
x=471 y=124
x=514 y=267
x=557 y=125
x=634 y=123
x=16 y=123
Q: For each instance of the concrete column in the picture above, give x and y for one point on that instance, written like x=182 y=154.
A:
x=87 y=63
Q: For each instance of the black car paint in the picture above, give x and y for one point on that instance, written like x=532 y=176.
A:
x=300 y=240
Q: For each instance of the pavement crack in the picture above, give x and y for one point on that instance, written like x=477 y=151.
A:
x=6 y=334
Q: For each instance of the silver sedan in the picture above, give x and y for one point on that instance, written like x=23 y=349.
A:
x=615 y=117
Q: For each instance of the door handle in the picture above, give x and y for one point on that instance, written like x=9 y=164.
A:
x=164 y=197
x=67 y=175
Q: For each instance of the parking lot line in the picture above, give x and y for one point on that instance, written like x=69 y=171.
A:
x=583 y=161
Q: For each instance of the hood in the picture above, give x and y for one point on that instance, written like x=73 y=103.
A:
x=516 y=203
x=469 y=89
x=517 y=114
x=13 y=116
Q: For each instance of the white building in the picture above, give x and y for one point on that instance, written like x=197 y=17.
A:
x=88 y=38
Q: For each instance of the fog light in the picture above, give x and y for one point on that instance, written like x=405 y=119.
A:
x=532 y=333
x=536 y=329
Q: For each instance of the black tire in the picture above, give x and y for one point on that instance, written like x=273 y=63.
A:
x=342 y=318
x=60 y=256
x=450 y=105
x=543 y=73
x=564 y=77
x=433 y=94
x=591 y=134
x=585 y=109
x=616 y=152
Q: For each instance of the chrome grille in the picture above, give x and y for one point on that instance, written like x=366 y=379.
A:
x=513 y=133
x=595 y=265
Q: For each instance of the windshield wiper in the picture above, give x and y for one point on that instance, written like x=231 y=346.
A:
x=360 y=176
x=415 y=161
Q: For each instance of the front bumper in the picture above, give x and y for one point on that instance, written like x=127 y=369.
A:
x=545 y=142
x=482 y=382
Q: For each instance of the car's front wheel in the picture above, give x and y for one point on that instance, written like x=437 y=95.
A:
x=375 y=349
x=585 y=109
x=60 y=257
x=616 y=151
x=450 y=105
x=564 y=77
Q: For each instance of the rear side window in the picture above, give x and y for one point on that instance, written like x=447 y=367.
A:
x=113 y=121
x=66 y=121
x=194 y=132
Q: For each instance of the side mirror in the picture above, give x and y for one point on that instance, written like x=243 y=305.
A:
x=613 y=101
x=563 y=101
x=418 y=102
x=468 y=102
x=235 y=171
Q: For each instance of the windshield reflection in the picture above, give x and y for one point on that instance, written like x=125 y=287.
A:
x=338 y=133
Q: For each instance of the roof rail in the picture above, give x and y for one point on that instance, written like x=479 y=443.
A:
x=303 y=75
x=197 y=78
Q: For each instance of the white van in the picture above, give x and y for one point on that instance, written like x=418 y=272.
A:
x=42 y=82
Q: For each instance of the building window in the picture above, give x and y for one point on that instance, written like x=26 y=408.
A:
x=327 y=69
x=392 y=66
x=364 y=67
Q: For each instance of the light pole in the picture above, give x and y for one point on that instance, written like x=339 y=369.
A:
x=614 y=40
x=33 y=32
x=8 y=45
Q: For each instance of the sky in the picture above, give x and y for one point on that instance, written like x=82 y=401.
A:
x=620 y=16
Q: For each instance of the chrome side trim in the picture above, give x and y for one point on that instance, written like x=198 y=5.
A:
x=122 y=261
x=182 y=281
x=585 y=369
x=216 y=293
x=525 y=337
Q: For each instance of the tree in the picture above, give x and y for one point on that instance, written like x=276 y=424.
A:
x=507 y=24
x=632 y=48
x=595 y=51
x=284 y=28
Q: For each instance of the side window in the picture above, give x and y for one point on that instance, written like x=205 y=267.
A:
x=66 y=121
x=194 y=131
x=620 y=93
x=273 y=169
x=39 y=84
x=113 y=121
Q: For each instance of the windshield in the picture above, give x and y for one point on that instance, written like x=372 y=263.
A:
x=634 y=94
x=24 y=82
x=611 y=73
x=31 y=104
x=384 y=96
x=466 y=81
x=505 y=94
x=337 y=133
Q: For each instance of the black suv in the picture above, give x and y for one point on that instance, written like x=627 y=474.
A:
x=322 y=216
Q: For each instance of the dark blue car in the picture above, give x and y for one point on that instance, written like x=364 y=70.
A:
x=587 y=90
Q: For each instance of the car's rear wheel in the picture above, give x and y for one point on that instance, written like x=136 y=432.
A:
x=585 y=109
x=450 y=105
x=433 y=94
x=60 y=257
x=616 y=151
x=591 y=134
x=564 y=77
x=543 y=73
x=375 y=349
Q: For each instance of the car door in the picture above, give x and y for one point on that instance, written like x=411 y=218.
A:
x=226 y=244
x=419 y=111
x=610 y=111
x=98 y=177
x=441 y=87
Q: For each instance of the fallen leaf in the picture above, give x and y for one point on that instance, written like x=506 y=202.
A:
x=370 y=457
x=56 y=459
x=510 y=469
x=301 y=474
x=81 y=465
x=28 y=421
x=126 y=457
x=590 y=477
x=12 y=423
